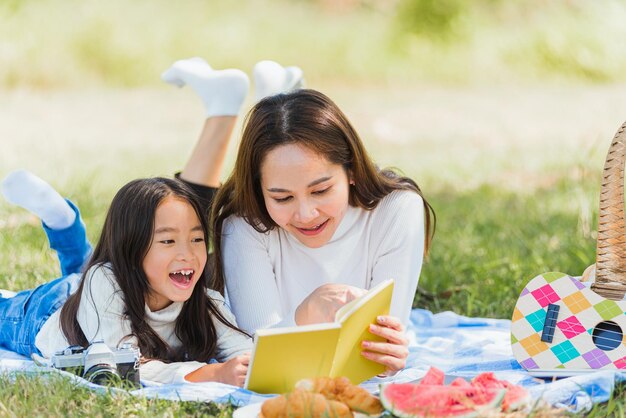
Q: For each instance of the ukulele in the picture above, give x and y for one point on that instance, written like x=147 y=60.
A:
x=560 y=326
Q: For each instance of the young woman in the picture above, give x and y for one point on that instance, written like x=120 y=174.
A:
x=306 y=222
x=146 y=283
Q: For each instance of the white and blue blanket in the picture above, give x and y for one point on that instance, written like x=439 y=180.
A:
x=458 y=345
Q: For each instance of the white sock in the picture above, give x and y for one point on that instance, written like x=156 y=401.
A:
x=271 y=78
x=25 y=189
x=222 y=91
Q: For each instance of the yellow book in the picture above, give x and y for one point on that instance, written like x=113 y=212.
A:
x=282 y=356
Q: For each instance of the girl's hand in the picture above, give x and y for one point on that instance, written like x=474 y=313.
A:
x=322 y=304
x=394 y=350
x=232 y=372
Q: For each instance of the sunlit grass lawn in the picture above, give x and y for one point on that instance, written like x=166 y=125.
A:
x=52 y=395
x=490 y=242
x=525 y=203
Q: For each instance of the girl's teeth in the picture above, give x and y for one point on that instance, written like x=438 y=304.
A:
x=182 y=276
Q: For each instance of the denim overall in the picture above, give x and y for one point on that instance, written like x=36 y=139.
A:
x=23 y=315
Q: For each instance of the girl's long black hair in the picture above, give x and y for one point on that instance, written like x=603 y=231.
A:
x=125 y=240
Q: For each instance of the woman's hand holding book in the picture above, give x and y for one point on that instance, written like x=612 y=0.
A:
x=392 y=352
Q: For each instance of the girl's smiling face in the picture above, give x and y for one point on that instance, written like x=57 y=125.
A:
x=304 y=193
x=177 y=254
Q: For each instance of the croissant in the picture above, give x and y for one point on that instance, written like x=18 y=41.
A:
x=304 y=404
x=341 y=389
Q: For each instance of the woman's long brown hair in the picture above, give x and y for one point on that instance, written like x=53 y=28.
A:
x=124 y=242
x=311 y=119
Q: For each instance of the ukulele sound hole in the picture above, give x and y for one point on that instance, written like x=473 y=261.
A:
x=607 y=335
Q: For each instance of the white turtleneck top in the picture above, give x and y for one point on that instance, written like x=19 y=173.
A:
x=269 y=274
x=101 y=317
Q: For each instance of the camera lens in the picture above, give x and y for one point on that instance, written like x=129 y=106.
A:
x=102 y=374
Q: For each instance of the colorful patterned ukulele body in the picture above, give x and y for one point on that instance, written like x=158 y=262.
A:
x=561 y=327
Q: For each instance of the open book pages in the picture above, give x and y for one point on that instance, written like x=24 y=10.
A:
x=282 y=356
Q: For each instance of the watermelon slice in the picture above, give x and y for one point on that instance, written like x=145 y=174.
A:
x=459 y=381
x=488 y=379
x=516 y=397
x=410 y=400
x=433 y=376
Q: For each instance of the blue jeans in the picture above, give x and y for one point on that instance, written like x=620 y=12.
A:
x=23 y=315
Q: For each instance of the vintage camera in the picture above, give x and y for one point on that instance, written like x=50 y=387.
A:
x=100 y=364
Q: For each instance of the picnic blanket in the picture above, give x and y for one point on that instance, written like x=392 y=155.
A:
x=458 y=345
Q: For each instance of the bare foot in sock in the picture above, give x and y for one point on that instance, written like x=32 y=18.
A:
x=25 y=189
x=271 y=78
x=222 y=91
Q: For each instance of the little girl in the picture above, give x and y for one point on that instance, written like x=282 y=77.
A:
x=125 y=289
x=145 y=283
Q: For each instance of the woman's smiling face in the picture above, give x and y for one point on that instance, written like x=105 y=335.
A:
x=304 y=193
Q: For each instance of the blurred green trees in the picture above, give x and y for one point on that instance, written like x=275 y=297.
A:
x=431 y=18
x=64 y=43
x=575 y=40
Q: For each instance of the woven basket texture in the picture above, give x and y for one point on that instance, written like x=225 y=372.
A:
x=611 y=246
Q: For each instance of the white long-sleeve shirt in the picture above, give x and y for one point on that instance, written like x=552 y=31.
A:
x=101 y=317
x=269 y=274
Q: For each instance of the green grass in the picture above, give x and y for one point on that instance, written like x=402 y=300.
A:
x=490 y=243
x=54 y=396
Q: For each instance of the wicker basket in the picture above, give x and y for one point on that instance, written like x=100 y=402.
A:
x=611 y=247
